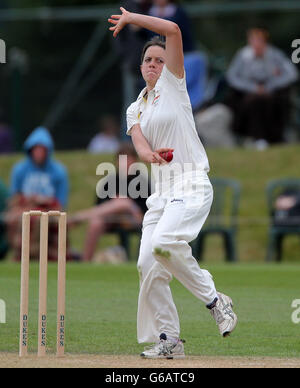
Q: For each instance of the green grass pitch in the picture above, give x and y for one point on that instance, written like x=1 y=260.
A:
x=102 y=304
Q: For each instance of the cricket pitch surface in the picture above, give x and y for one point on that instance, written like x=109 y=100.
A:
x=11 y=360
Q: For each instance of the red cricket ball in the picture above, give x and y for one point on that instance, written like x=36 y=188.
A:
x=168 y=155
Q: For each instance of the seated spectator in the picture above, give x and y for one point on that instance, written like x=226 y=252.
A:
x=3 y=204
x=113 y=213
x=169 y=10
x=287 y=209
x=195 y=62
x=107 y=140
x=6 y=141
x=38 y=182
x=260 y=76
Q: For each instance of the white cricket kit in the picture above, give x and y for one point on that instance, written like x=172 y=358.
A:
x=176 y=211
x=167 y=121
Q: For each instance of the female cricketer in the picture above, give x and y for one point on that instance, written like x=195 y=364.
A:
x=161 y=120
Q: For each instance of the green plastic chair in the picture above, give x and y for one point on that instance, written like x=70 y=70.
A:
x=277 y=233
x=222 y=218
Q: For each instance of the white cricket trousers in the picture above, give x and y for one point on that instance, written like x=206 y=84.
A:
x=171 y=222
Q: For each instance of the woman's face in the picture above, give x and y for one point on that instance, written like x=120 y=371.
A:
x=153 y=64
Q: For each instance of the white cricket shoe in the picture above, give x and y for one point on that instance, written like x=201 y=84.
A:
x=224 y=315
x=164 y=349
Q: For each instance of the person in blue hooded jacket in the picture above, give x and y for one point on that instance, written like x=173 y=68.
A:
x=39 y=175
x=38 y=182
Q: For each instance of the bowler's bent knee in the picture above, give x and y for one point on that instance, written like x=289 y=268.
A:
x=161 y=247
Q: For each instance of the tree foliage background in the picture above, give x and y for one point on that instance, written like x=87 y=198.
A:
x=52 y=49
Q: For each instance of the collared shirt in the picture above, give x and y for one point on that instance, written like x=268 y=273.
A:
x=167 y=121
x=273 y=70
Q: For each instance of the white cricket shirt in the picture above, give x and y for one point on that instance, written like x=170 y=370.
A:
x=167 y=121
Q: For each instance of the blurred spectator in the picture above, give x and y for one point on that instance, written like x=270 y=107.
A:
x=3 y=204
x=6 y=140
x=196 y=69
x=287 y=209
x=107 y=140
x=131 y=37
x=38 y=182
x=195 y=62
x=169 y=10
x=39 y=175
x=260 y=76
x=119 y=212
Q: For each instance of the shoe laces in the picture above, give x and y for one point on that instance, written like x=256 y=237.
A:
x=161 y=347
x=164 y=346
x=219 y=313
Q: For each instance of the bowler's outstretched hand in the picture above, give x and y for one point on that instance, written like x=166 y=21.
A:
x=119 y=21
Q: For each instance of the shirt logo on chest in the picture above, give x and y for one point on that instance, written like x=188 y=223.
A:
x=155 y=100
